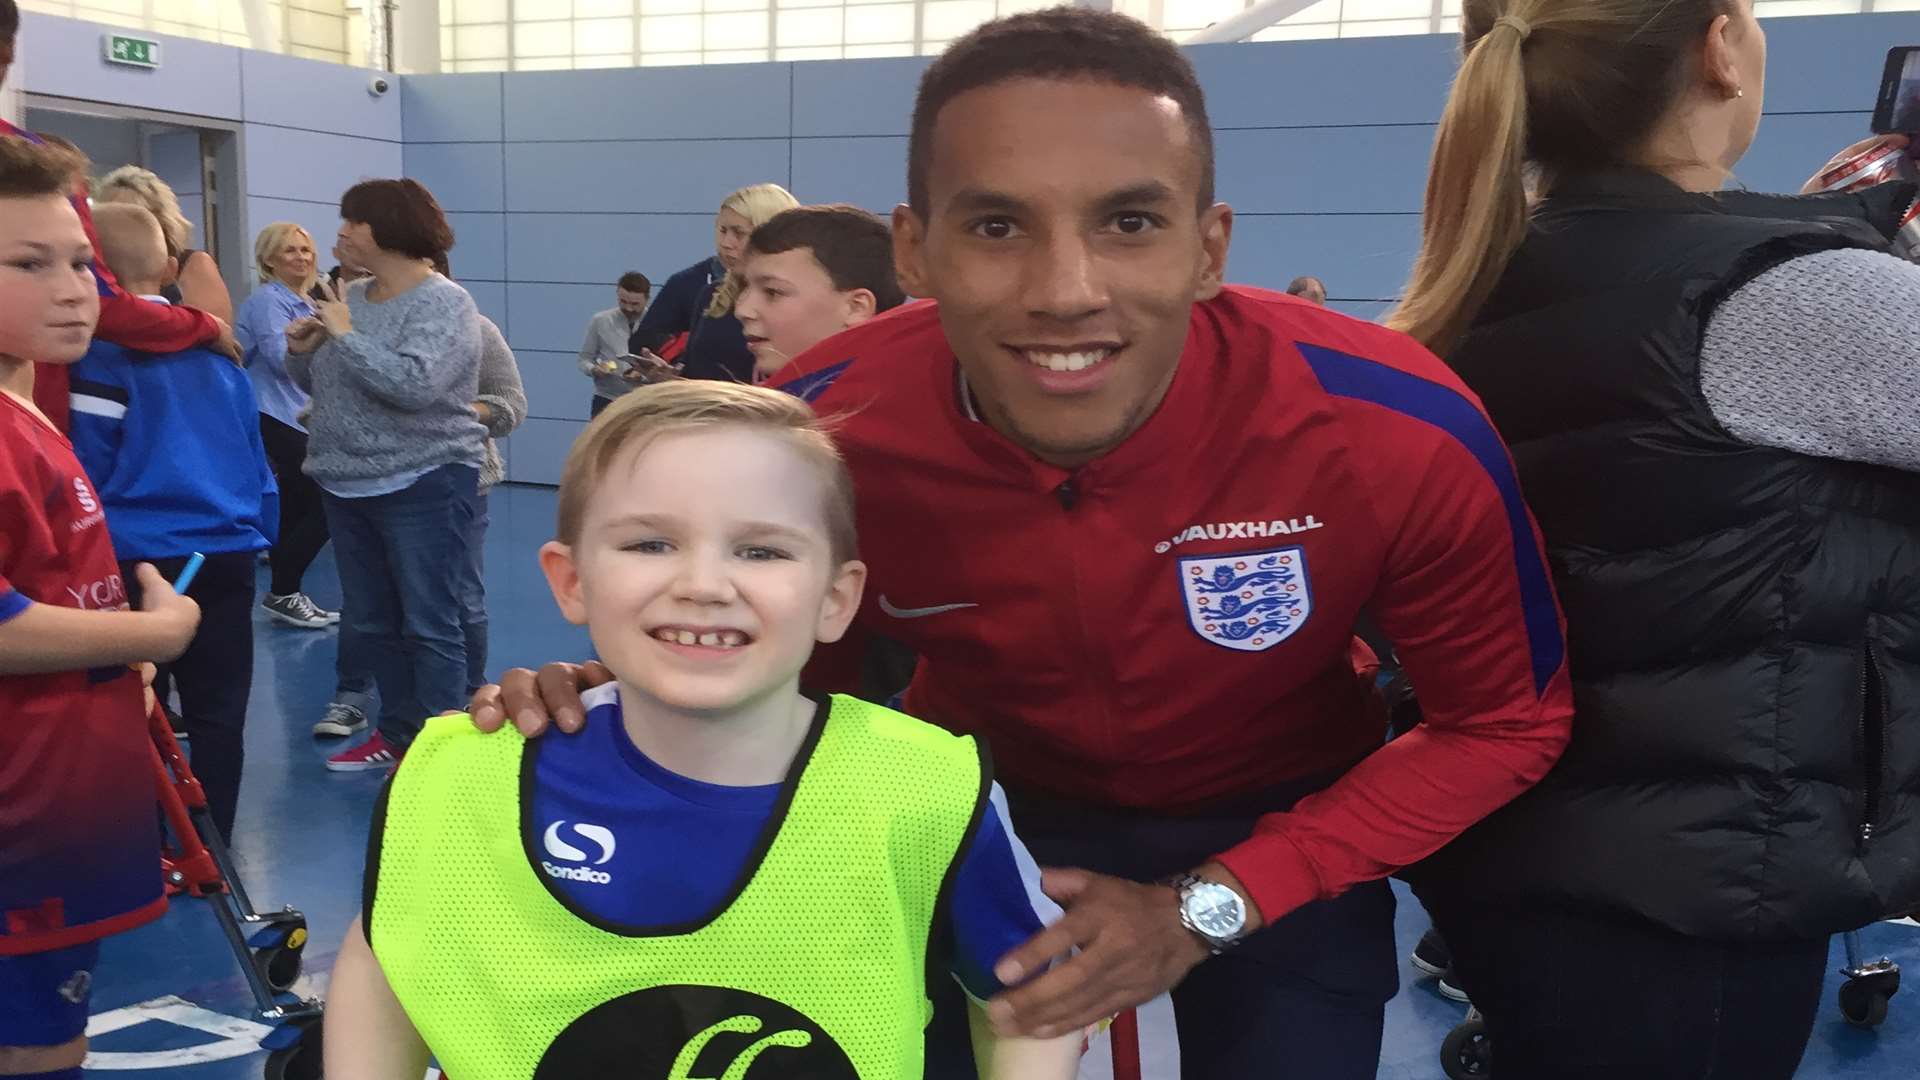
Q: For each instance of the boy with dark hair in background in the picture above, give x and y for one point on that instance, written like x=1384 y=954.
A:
x=810 y=273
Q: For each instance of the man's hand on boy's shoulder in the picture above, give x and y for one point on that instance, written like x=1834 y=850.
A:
x=532 y=698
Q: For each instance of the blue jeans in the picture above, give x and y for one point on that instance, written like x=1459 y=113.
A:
x=353 y=678
x=352 y=672
x=473 y=598
x=401 y=559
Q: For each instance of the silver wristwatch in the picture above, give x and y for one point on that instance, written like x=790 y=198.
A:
x=1211 y=911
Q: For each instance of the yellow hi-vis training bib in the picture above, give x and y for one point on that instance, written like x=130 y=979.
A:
x=816 y=969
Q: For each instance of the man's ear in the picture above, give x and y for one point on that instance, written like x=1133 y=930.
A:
x=909 y=250
x=1216 y=235
x=563 y=577
x=842 y=602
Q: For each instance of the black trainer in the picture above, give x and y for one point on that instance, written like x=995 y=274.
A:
x=1432 y=957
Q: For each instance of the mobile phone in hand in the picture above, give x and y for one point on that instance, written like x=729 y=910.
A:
x=646 y=367
x=1897 y=109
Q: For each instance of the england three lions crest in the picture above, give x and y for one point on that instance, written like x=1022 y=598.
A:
x=1249 y=601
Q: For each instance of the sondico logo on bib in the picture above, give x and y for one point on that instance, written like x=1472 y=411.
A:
x=695 y=1033
x=598 y=835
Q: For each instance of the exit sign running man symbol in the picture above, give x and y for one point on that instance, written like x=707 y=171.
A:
x=132 y=51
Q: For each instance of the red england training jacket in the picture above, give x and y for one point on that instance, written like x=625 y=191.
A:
x=1169 y=625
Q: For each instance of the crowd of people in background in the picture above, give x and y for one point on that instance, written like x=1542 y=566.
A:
x=1113 y=513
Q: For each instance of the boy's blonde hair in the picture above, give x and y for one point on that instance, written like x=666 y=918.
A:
x=131 y=183
x=643 y=415
x=268 y=244
x=132 y=243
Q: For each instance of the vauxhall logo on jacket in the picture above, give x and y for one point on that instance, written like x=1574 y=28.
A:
x=1239 y=530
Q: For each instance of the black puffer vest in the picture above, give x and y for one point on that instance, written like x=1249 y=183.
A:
x=1744 y=623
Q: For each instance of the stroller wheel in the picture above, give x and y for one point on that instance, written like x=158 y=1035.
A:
x=301 y=1060
x=279 y=963
x=1863 y=1001
x=1467 y=1052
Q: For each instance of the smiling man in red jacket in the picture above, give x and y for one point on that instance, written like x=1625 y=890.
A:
x=128 y=320
x=1128 y=518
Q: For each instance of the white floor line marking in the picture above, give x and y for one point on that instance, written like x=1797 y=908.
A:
x=238 y=1037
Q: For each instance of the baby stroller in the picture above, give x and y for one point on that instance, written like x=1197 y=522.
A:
x=267 y=946
x=1468 y=1052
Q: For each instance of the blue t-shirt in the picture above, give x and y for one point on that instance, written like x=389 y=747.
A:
x=636 y=844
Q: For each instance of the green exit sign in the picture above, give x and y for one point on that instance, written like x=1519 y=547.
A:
x=132 y=51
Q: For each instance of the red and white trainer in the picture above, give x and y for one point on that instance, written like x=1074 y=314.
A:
x=375 y=753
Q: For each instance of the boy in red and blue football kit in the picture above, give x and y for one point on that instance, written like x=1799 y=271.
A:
x=79 y=843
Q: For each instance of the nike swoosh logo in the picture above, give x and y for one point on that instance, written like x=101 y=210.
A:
x=919 y=612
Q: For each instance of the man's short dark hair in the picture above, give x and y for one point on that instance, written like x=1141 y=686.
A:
x=1305 y=284
x=9 y=21
x=635 y=281
x=1057 y=43
x=403 y=214
x=854 y=246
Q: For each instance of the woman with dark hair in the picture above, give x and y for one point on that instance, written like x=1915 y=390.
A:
x=501 y=407
x=1709 y=396
x=395 y=445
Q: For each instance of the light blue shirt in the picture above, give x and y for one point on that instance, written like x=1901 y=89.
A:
x=261 y=328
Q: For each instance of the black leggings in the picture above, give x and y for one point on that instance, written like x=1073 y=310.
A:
x=215 y=674
x=303 y=523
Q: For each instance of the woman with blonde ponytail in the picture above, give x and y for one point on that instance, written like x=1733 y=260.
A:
x=197 y=281
x=698 y=301
x=1476 y=204
x=1708 y=396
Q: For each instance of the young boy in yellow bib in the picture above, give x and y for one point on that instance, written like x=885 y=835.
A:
x=721 y=876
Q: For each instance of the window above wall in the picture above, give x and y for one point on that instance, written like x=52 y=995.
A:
x=530 y=35
x=544 y=35
x=317 y=29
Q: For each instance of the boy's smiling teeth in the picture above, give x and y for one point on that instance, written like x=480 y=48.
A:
x=720 y=639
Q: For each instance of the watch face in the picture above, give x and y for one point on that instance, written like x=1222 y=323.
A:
x=1216 y=910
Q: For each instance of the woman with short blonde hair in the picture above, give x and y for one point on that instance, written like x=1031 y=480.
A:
x=197 y=281
x=269 y=254
x=698 y=301
x=284 y=256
